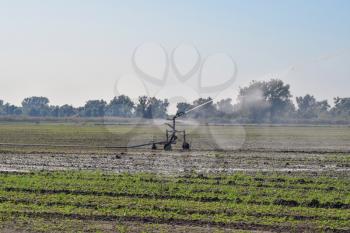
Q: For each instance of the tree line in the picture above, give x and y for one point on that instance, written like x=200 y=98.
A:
x=259 y=102
x=120 y=106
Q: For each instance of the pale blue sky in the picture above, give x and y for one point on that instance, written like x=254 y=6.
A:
x=75 y=50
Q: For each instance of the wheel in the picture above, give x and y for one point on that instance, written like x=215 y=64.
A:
x=185 y=146
x=154 y=146
x=167 y=146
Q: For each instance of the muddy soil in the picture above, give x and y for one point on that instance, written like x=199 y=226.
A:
x=178 y=162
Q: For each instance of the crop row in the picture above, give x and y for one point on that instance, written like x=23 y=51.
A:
x=235 y=200
x=236 y=179
x=129 y=186
x=184 y=206
x=163 y=216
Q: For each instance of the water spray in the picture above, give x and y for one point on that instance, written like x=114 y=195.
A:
x=172 y=132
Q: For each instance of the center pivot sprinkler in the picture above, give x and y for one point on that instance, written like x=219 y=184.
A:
x=172 y=132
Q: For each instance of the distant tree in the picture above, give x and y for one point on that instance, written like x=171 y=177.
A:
x=141 y=107
x=121 y=106
x=151 y=107
x=66 y=111
x=261 y=100
x=289 y=110
x=278 y=95
x=341 y=107
x=309 y=107
x=80 y=111
x=157 y=108
x=1 y=107
x=252 y=104
x=95 y=108
x=323 y=106
x=62 y=111
x=207 y=111
x=8 y=109
x=225 y=106
x=12 y=110
x=183 y=107
x=54 y=111
x=306 y=106
x=36 y=106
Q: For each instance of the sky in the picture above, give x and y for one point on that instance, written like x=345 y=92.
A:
x=75 y=50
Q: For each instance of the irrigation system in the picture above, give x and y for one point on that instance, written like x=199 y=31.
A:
x=171 y=134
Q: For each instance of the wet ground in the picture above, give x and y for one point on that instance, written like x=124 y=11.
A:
x=177 y=162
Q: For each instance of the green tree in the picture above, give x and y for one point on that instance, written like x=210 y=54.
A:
x=183 y=107
x=54 y=111
x=341 y=107
x=66 y=111
x=121 y=106
x=141 y=106
x=225 y=106
x=157 y=108
x=9 y=109
x=252 y=104
x=309 y=107
x=263 y=100
x=306 y=106
x=2 y=107
x=95 y=108
x=207 y=111
x=151 y=107
x=278 y=95
x=36 y=106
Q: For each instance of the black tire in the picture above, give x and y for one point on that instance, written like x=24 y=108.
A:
x=167 y=146
x=185 y=146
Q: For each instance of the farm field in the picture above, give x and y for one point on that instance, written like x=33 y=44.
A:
x=300 y=138
x=235 y=179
